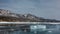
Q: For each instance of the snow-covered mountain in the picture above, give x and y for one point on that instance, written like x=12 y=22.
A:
x=8 y=15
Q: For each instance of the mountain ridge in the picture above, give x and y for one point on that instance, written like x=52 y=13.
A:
x=24 y=18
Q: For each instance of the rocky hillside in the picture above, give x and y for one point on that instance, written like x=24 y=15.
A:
x=6 y=15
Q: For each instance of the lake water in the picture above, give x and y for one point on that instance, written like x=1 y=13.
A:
x=35 y=29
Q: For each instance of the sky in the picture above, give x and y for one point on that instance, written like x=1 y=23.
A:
x=49 y=9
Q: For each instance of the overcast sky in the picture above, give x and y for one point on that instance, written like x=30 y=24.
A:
x=41 y=8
